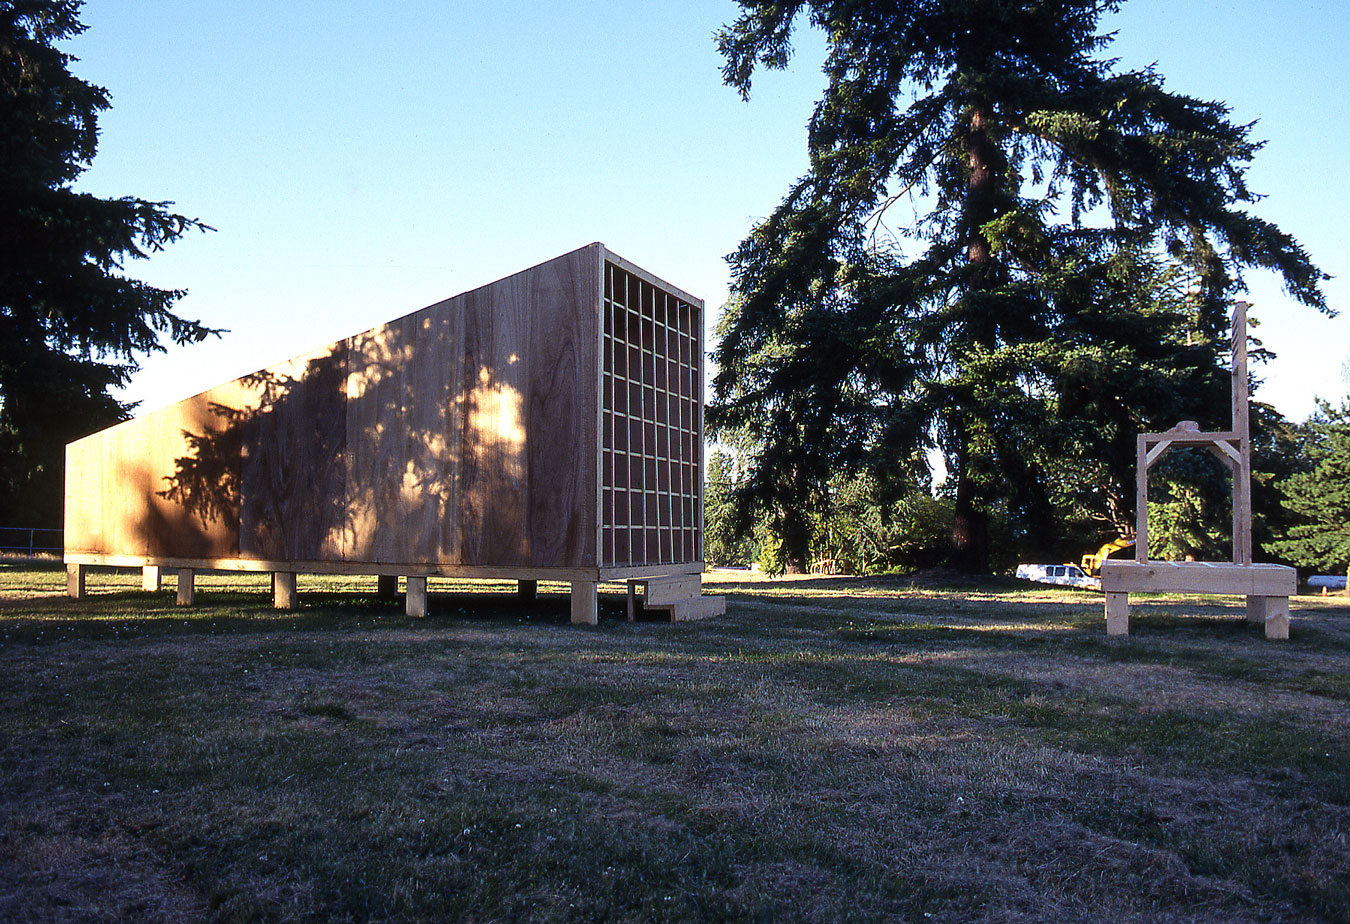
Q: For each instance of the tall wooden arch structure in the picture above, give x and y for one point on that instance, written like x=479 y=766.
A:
x=1266 y=587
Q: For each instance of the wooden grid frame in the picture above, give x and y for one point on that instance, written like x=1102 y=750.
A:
x=651 y=423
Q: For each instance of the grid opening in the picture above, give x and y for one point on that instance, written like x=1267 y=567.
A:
x=651 y=425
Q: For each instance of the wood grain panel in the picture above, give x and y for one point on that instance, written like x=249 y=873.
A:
x=463 y=434
x=164 y=483
x=293 y=471
x=527 y=407
x=403 y=440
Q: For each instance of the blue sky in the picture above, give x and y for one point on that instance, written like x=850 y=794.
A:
x=360 y=160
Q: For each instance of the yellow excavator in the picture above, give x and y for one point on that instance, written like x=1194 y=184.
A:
x=1092 y=562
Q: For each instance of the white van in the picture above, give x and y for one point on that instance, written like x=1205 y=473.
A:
x=1067 y=575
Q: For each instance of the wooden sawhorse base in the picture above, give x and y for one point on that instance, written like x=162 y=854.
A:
x=1266 y=587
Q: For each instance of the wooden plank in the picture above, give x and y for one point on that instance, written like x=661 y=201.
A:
x=1140 y=499
x=670 y=590
x=165 y=482
x=151 y=578
x=585 y=603
x=76 y=575
x=1117 y=614
x=698 y=608
x=293 y=473
x=312 y=566
x=403 y=438
x=562 y=411
x=187 y=587
x=415 y=597
x=1198 y=577
x=284 y=596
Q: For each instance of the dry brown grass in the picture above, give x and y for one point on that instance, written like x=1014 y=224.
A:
x=832 y=750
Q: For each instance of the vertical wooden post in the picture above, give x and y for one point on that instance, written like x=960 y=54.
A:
x=1256 y=610
x=1117 y=613
x=632 y=600
x=1140 y=500
x=283 y=590
x=386 y=586
x=1242 y=472
x=585 y=603
x=75 y=588
x=187 y=588
x=150 y=578
x=415 y=597
x=527 y=590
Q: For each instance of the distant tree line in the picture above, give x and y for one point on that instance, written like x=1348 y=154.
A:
x=862 y=525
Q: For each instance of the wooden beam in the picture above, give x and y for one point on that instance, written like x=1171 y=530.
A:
x=1198 y=577
x=151 y=579
x=1140 y=500
x=1117 y=614
x=1156 y=452
x=527 y=590
x=284 y=596
x=585 y=603
x=75 y=581
x=386 y=586
x=415 y=597
x=187 y=587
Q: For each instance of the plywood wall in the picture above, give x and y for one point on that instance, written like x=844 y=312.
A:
x=464 y=433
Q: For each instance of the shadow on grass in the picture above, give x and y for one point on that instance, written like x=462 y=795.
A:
x=133 y=613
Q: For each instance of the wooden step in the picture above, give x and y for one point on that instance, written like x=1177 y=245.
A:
x=698 y=608
x=660 y=591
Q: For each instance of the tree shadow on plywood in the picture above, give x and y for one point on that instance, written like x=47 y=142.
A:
x=408 y=443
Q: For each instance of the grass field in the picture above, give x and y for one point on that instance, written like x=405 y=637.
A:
x=830 y=750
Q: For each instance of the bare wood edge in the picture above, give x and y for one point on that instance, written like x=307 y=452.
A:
x=420 y=569
x=600 y=315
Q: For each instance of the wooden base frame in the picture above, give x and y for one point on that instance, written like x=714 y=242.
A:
x=676 y=590
x=1266 y=587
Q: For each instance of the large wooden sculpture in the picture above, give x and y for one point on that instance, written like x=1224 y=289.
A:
x=1266 y=587
x=547 y=425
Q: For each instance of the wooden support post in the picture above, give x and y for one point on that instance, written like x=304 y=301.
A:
x=1256 y=610
x=527 y=590
x=1272 y=612
x=1117 y=613
x=386 y=586
x=75 y=581
x=150 y=578
x=632 y=601
x=283 y=590
x=415 y=597
x=585 y=603
x=187 y=588
x=1140 y=500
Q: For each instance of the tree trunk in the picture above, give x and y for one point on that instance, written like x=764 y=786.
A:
x=970 y=531
x=796 y=544
x=970 y=528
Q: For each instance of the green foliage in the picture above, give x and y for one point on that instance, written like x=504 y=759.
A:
x=1320 y=496
x=724 y=543
x=71 y=324
x=1076 y=237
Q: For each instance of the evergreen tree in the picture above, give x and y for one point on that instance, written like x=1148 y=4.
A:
x=1320 y=497
x=71 y=324
x=1005 y=322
